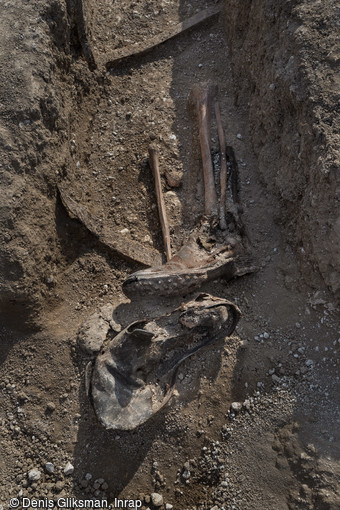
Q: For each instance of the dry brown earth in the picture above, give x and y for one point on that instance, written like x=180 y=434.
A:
x=64 y=122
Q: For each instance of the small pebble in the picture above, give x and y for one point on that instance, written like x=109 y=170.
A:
x=59 y=486
x=50 y=407
x=49 y=467
x=236 y=407
x=157 y=499
x=68 y=470
x=34 y=475
x=186 y=474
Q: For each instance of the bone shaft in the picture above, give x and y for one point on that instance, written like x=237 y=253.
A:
x=223 y=172
x=204 y=136
x=153 y=154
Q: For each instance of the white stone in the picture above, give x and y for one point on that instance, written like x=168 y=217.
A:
x=157 y=499
x=236 y=406
x=186 y=474
x=34 y=475
x=247 y=404
x=68 y=469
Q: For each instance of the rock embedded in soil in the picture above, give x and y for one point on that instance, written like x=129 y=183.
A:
x=236 y=407
x=69 y=469
x=59 y=486
x=49 y=467
x=50 y=407
x=186 y=474
x=34 y=475
x=157 y=499
x=92 y=334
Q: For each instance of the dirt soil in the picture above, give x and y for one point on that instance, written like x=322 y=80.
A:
x=257 y=424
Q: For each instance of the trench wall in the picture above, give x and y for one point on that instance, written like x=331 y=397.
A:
x=285 y=58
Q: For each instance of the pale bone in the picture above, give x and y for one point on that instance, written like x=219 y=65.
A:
x=200 y=98
x=209 y=252
x=153 y=154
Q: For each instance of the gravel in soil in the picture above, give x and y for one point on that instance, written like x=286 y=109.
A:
x=256 y=423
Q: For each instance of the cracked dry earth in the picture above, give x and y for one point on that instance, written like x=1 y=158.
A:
x=257 y=424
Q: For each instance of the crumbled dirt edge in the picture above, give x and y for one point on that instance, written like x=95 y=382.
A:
x=286 y=75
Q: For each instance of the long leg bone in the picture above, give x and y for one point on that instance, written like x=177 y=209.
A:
x=160 y=201
x=209 y=252
x=200 y=97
